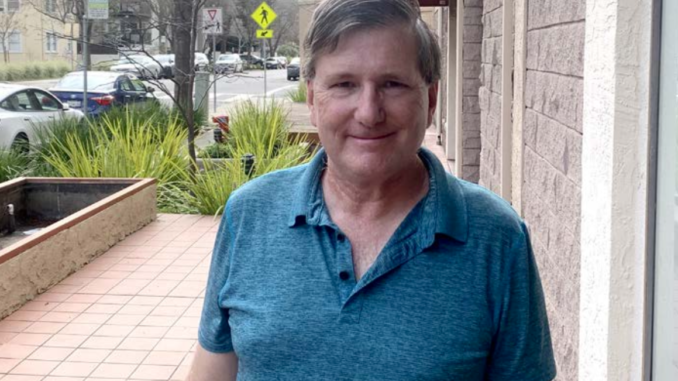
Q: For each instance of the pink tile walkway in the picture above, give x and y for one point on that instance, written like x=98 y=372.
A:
x=131 y=314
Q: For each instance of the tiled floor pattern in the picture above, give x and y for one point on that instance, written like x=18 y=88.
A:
x=131 y=314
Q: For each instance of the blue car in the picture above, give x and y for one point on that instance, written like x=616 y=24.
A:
x=105 y=90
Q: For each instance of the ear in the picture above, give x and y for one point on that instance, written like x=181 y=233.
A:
x=432 y=101
x=310 y=101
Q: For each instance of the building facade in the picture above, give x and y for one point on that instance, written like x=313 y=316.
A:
x=33 y=36
x=568 y=109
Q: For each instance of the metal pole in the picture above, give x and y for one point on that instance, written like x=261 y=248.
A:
x=265 y=71
x=84 y=59
x=214 y=69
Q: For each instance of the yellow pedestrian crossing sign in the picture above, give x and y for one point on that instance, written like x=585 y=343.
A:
x=264 y=33
x=264 y=15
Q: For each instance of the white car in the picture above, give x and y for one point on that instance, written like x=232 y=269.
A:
x=228 y=63
x=25 y=109
x=201 y=61
x=141 y=66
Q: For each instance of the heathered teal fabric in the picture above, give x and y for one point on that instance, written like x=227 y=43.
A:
x=454 y=295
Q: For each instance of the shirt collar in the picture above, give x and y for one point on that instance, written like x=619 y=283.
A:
x=445 y=193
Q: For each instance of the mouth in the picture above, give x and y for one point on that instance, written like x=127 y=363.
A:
x=371 y=138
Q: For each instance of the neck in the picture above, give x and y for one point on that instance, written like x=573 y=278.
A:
x=375 y=196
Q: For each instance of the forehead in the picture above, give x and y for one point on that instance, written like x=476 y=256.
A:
x=391 y=48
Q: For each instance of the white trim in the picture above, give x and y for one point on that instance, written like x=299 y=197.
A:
x=439 y=100
x=452 y=86
x=664 y=368
x=459 y=115
x=520 y=63
x=614 y=189
x=507 y=101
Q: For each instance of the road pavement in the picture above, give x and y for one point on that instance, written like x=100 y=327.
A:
x=230 y=88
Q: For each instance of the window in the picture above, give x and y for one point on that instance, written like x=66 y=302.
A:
x=26 y=101
x=50 y=6
x=12 y=5
x=46 y=101
x=51 y=43
x=13 y=42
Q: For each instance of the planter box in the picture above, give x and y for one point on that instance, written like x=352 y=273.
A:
x=73 y=221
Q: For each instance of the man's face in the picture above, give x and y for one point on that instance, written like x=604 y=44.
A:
x=370 y=103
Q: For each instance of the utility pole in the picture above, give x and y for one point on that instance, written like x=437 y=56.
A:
x=85 y=49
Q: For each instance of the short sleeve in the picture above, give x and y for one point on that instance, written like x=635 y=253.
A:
x=522 y=347
x=214 y=333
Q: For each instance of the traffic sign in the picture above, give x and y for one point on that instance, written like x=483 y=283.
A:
x=264 y=15
x=212 y=22
x=264 y=33
x=97 y=9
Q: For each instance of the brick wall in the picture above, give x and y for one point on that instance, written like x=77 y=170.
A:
x=490 y=95
x=552 y=162
x=470 y=105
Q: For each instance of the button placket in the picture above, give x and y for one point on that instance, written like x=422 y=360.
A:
x=344 y=271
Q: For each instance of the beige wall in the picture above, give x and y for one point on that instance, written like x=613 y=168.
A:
x=34 y=27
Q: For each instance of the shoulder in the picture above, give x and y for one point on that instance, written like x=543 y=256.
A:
x=489 y=215
x=273 y=191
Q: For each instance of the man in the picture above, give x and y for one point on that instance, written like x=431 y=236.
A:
x=371 y=262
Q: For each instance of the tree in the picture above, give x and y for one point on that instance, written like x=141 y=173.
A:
x=10 y=23
x=69 y=11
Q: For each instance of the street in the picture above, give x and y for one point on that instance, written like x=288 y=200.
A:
x=229 y=88
x=236 y=86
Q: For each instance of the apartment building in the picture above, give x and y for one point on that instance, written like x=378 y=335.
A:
x=30 y=35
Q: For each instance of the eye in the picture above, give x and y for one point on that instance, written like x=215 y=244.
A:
x=393 y=84
x=344 y=85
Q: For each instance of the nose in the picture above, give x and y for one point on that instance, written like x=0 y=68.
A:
x=370 y=109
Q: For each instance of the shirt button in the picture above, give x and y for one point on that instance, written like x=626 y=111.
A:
x=341 y=237
x=343 y=275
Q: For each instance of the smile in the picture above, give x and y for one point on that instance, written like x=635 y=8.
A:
x=371 y=138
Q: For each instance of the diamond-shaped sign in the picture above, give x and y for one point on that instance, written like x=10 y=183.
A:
x=264 y=15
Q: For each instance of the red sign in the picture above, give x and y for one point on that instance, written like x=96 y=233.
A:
x=212 y=13
x=434 y=3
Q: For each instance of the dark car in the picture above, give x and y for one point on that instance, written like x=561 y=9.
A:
x=252 y=59
x=105 y=90
x=167 y=63
x=293 y=69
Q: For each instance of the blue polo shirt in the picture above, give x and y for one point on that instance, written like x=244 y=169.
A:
x=454 y=295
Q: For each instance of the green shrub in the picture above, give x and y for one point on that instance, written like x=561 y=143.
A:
x=33 y=70
x=122 y=147
x=298 y=95
x=14 y=73
x=289 y=51
x=215 y=151
x=12 y=165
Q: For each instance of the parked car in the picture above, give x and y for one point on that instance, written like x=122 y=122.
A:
x=293 y=69
x=272 y=63
x=252 y=59
x=229 y=63
x=282 y=61
x=140 y=66
x=167 y=63
x=104 y=90
x=201 y=61
x=24 y=108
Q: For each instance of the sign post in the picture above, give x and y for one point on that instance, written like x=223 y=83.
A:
x=264 y=16
x=94 y=10
x=212 y=24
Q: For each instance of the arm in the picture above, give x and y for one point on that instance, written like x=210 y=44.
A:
x=208 y=366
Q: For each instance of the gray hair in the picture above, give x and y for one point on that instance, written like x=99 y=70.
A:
x=334 y=18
